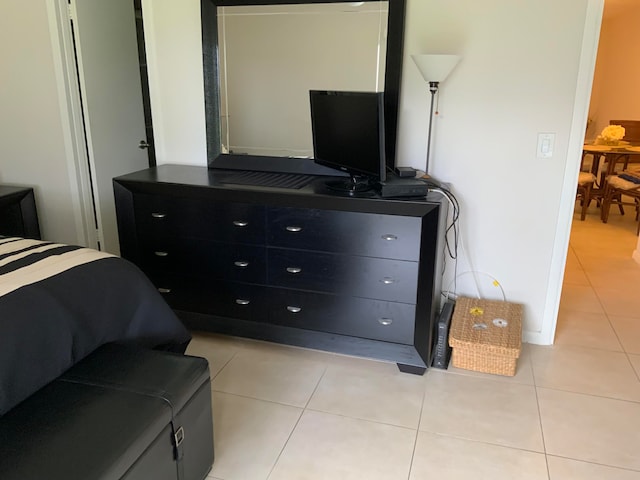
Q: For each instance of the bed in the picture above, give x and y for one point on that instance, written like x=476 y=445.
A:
x=59 y=303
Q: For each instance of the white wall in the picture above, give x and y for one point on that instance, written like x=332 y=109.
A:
x=173 y=40
x=518 y=77
x=32 y=135
x=617 y=75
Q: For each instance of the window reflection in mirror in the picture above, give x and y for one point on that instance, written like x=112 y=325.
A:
x=272 y=55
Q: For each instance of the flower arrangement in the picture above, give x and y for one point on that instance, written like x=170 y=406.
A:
x=611 y=135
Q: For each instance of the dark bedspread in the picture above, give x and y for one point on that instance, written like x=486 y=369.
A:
x=58 y=303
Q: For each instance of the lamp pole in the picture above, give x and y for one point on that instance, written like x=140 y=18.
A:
x=433 y=88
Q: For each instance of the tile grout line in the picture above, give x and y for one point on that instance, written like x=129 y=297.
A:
x=544 y=443
x=415 y=441
x=616 y=467
x=607 y=315
x=303 y=410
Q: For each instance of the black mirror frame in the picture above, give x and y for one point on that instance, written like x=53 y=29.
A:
x=210 y=56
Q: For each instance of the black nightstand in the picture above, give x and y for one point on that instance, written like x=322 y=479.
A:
x=18 y=215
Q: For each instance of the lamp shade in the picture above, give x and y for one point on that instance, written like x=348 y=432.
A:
x=435 y=68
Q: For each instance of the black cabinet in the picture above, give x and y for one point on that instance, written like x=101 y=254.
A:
x=18 y=215
x=299 y=266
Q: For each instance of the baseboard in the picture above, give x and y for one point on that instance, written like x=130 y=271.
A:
x=535 y=337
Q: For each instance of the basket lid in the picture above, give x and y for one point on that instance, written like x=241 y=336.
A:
x=490 y=325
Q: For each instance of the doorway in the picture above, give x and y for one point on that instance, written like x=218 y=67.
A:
x=105 y=88
x=598 y=295
x=615 y=80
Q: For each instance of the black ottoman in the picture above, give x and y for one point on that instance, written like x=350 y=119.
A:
x=121 y=413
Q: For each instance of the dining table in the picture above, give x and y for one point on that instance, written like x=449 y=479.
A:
x=607 y=160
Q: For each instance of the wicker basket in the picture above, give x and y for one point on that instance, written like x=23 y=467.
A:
x=486 y=335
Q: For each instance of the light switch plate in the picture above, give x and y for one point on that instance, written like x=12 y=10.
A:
x=545 y=144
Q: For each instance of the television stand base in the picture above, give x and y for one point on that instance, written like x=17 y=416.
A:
x=349 y=187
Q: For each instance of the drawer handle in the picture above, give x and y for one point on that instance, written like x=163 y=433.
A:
x=164 y=290
x=240 y=223
x=388 y=280
x=389 y=237
x=385 y=321
x=242 y=301
x=241 y=264
x=293 y=309
x=158 y=215
x=293 y=228
x=294 y=270
x=161 y=254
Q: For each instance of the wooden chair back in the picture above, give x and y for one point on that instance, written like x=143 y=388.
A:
x=631 y=129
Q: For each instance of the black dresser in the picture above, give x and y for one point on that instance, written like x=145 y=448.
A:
x=18 y=215
x=298 y=266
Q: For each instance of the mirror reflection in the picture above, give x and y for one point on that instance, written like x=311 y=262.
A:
x=270 y=56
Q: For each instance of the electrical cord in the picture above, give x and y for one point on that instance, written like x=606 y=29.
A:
x=453 y=226
x=495 y=283
x=457 y=243
x=451 y=245
x=452 y=250
x=467 y=257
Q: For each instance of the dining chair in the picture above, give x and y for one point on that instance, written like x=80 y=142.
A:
x=631 y=129
x=617 y=160
x=585 y=186
x=621 y=190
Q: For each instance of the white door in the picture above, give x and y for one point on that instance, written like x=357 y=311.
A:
x=109 y=75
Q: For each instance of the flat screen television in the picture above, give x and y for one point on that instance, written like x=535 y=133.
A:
x=348 y=135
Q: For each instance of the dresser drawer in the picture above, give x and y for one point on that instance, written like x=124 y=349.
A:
x=367 y=234
x=194 y=217
x=205 y=259
x=377 y=278
x=358 y=317
x=225 y=299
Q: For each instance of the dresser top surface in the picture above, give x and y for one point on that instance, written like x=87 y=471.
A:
x=6 y=190
x=314 y=194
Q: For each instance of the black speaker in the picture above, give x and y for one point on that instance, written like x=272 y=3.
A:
x=442 y=350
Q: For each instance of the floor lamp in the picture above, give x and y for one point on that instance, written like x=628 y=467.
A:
x=434 y=69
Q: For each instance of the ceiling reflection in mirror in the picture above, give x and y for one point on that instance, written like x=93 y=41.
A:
x=270 y=56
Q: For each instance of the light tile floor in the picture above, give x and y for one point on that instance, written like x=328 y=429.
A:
x=571 y=412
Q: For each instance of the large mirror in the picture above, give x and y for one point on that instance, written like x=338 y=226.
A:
x=262 y=57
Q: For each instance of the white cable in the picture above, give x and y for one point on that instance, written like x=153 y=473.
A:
x=455 y=213
x=471 y=269
x=460 y=241
x=495 y=283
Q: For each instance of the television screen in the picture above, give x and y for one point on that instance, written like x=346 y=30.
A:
x=348 y=133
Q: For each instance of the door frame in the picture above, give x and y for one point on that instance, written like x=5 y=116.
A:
x=75 y=142
x=582 y=99
x=80 y=164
